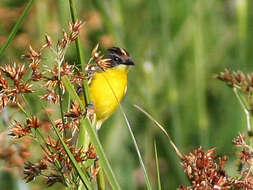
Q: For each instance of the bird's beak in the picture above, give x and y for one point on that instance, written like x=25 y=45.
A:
x=129 y=62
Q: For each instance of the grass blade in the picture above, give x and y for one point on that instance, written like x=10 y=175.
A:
x=104 y=163
x=132 y=136
x=16 y=27
x=72 y=92
x=157 y=168
x=137 y=149
x=180 y=155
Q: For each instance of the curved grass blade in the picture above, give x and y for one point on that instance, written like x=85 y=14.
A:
x=179 y=154
x=148 y=183
x=16 y=27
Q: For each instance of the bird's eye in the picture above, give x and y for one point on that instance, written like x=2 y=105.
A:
x=116 y=59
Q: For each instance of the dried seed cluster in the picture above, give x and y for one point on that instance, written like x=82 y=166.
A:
x=55 y=165
x=237 y=79
x=12 y=83
x=97 y=62
x=205 y=170
x=18 y=130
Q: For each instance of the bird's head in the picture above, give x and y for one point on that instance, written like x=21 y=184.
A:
x=119 y=57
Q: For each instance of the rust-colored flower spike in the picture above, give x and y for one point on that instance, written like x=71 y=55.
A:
x=246 y=156
x=204 y=172
x=74 y=111
x=18 y=130
x=78 y=78
x=51 y=96
x=32 y=170
x=34 y=58
x=90 y=111
x=52 y=82
x=103 y=63
x=48 y=40
x=91 y=154
x=74 y=28
x=54 y=178
x=237 y=79
x=15 y=71
x=33 y=122
x=9 y=91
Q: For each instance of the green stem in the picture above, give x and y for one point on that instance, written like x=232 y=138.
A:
x=82 y=136
x=245 y=109
x=16 y=27
x=100 y=179
x=157 y=169
x=103 y=161
x=79 y=49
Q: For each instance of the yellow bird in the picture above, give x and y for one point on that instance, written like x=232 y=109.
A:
x=108 y=87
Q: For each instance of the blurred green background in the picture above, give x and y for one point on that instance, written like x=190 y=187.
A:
x=177 y=46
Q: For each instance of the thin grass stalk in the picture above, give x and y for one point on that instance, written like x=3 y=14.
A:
x=147 y=180
x=148 y=183
x=80 y=51
x=179 y=154
x=246 y=112
x=16 y=27
x=159 y=187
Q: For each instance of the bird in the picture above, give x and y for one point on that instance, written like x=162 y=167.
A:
x=107 y=87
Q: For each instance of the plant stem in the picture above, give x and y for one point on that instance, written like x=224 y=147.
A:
x=157 y=169
x=100 y=179
x=245 y=109
x=16 y=27
x=103 y=161
x=82 y=136
x=80 y=55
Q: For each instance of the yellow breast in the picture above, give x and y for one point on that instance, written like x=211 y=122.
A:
x=107 y=89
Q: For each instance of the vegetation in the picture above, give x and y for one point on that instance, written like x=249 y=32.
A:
x=178 y=47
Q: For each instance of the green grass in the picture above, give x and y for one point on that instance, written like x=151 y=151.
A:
x=178 y=46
